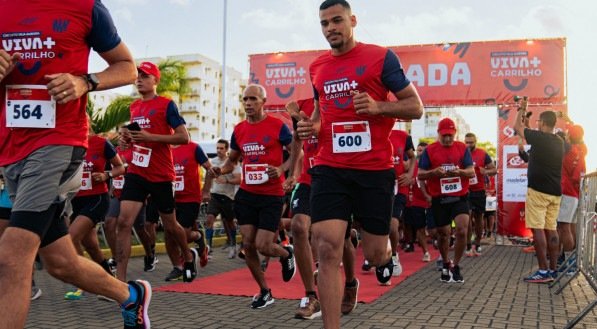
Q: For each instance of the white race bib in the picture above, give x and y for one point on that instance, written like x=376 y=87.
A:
x=178 y=183
x=473 y=180
x=141 y=156
x=490 y=203
x=86 y=181
x=256 y=174
x=311 y=162
x=351 y=136
x=118 y=182
x=450 y=185
x=29 y=106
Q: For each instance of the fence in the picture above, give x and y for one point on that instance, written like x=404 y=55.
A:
x=584 y=260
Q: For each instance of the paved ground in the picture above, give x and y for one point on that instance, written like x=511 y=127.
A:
x=493 y=296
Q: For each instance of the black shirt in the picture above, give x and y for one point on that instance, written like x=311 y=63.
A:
x=545 y=162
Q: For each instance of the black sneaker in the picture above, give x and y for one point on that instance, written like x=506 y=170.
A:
x=190 y=268
x=288 y=265
x=263 y=299
x=135 y=314
x=446 y=275
x=366 y=266
x=384 y=273
x=175 y=275
x=149 y=263
x=456 y=276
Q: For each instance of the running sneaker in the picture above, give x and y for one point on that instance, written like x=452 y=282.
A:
x=469 y=253
x=397 y=270
x=478 y=250
x=309 y=309
x=189 y=272
x=74 y=295
x=135 y=314
x=446 y=275
x=149 y=263
x=456 y=275
x=354 y=237
x=288 y=264
x=350 y=298
x=263 y=299
x=112 y=265
x=35 y=293
x=384 y=273
x=174 y=275
x=264 y=264
x=529 y=249
x=426 y=257
x=232 y=252
x=539 y=277
x=366 y=266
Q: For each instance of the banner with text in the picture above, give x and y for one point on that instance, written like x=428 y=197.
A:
x=468 y=73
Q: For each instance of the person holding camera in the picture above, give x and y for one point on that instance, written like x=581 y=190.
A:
x=447 y=166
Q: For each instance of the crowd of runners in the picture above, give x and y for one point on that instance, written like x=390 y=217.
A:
x=309 y=195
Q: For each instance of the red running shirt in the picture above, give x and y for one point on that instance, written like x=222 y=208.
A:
x=261 y=144
x=310 y=146
x=187 y=184
x=99 y=153
x=348 y=140
x=401 y=143
x=480 y=159
x=455 y=156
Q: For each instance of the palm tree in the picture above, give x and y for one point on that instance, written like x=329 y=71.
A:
x=172 y=84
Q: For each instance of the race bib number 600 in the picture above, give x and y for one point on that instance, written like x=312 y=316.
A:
x=29 y=106
x=353 y=136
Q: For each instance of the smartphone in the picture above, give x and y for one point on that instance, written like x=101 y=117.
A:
x=133 y=126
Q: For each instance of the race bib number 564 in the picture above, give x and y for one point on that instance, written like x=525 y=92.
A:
x=29 y=106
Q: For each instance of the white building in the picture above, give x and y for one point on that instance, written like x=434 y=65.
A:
x=201 y=108
x=426 y=127
x=101 y=99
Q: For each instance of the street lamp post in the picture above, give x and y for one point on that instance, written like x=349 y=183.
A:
x=223 y=110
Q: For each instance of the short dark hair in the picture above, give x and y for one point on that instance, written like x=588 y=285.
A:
x=549 y=118
x=423 y=144
x=470 y=135
x=330 y=3
x=223 y=141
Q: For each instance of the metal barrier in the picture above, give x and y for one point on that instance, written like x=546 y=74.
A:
x=584 y=259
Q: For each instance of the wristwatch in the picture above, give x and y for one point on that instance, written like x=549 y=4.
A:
x=110 y=174
x=92 y=79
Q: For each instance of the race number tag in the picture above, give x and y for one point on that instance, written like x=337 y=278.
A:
x=29 y=106
x=490 y=203
x=351 y=137
x=311 y=162
x=256 y=174
x=450 y=185
x=178 y=183
x=473 y=180
x=141 y=156
x=118 y=182
x=86 y=181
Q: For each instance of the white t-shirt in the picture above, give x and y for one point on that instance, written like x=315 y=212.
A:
x=228 y=190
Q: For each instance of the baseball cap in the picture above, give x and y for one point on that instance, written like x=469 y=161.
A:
x=446 y=127
x=149 y=68
x=576 y=133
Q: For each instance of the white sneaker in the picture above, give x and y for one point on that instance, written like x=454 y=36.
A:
x=397 y=266
x=232 y=252
x=426 y=257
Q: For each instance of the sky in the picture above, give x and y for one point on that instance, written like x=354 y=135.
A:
x=172 y=27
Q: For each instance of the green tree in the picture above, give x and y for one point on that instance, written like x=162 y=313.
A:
x=489 y=148
x=173 y=81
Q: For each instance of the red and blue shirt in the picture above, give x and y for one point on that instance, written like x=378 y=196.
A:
x=480 y=159
x=310 y=146
x=402 y=142
x=450 y=157
x=53 y=37
x=99 y=153
x=348 y=140
x=153 y=161
x=187 y=183
x=261 y=144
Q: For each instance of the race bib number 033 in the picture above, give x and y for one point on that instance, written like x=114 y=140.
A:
x=29 y=106
x=256 y=174
x=353 y=136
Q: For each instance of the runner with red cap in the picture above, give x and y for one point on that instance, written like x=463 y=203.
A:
x=447 y=166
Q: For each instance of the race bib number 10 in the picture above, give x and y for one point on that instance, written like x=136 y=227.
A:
x=29 y=106
x=141 y=156
x=352 y=136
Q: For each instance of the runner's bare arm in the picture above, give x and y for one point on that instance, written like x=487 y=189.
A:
x=180 y=136
x=308 y=127
x=232 y=161
x=408 y=106
x=7 y=62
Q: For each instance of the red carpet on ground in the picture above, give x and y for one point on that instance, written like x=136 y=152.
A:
x=240 y=282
